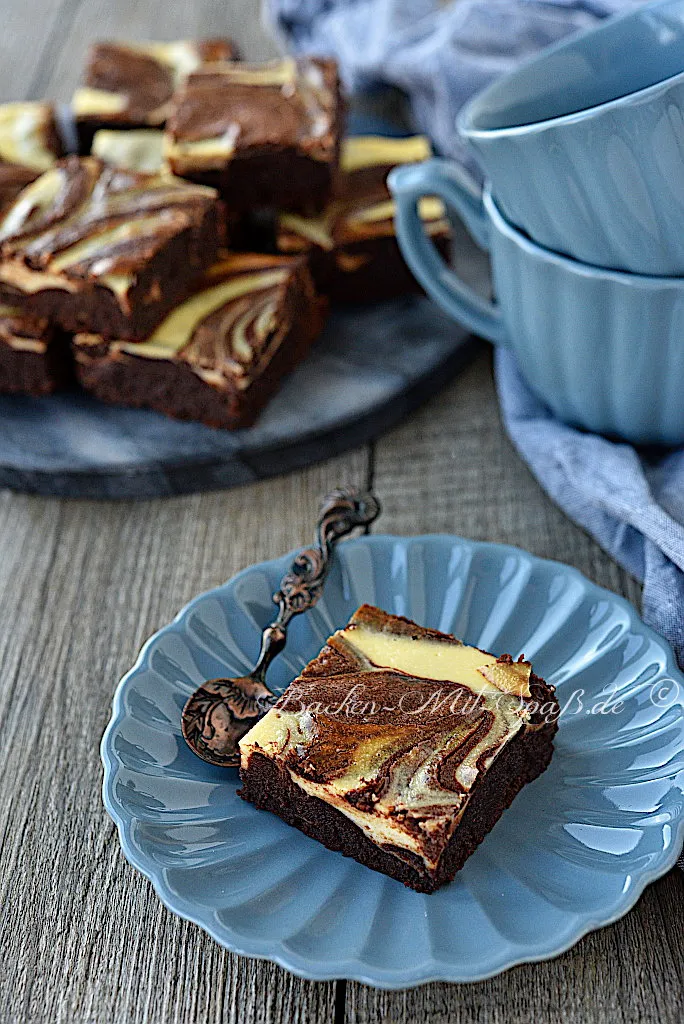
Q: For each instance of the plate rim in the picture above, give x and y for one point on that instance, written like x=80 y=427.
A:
x=354 y=969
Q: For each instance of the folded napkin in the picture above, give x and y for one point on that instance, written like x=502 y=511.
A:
x=631 y=502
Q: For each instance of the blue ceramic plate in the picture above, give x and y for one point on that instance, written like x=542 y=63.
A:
x=573 y=852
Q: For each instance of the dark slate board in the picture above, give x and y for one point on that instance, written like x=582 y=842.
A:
x=371 y=367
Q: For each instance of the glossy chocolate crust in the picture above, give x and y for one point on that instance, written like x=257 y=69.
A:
x=163 y=263
x=171 y=386
x=147 y=84
x=269 y=787
x=36 y=372
x=281 y=172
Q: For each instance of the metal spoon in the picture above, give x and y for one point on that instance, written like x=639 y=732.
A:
x=221 y=711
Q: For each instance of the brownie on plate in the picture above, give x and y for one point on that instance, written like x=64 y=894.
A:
x=130 y=85
x=34 y=358
x=220 y=355
x=265 y=135
x=97 y=248
x=400 y=746
x=353 y=245
x=29 y=144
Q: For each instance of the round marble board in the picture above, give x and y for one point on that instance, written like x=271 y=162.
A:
x=371 y=367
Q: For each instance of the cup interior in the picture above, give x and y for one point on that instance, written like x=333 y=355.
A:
x=622 y=56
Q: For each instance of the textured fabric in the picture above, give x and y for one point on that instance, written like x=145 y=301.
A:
x=631 y=503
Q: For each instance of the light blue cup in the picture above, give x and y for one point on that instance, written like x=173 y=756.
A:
x=604 y=350
x=584 y=144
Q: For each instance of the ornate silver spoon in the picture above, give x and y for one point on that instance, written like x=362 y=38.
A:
x=221 y=711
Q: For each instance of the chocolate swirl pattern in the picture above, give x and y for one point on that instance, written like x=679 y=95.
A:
x=229 y=107
x=266 y=135
x=84 y=225
x=82 y=200
x=394 y=726
x=218 y=355
x=229 y=327
x=361 y=208
x=132 y=84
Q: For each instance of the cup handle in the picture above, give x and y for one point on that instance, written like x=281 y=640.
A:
x=462 y=198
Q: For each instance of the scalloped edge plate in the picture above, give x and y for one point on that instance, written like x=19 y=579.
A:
x=356 y=969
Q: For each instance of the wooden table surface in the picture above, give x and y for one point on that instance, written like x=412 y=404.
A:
x=84 y=940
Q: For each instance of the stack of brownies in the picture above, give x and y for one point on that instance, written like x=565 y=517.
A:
x=184 y=259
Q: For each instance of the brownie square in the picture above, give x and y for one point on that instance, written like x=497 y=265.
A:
x=34 y=357
x=219 y=356
x=400 y=746
x=265 y=135
x=352 y=243
x=93 y=247
x=130 y=85
x=29 y=145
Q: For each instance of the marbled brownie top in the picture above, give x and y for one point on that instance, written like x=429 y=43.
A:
x=228 y=109
x=361 y=208
x=132 y=83
x=393 y=725
x=83 y=221
x=231 y=327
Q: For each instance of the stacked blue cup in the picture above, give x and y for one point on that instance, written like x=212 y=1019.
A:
x=583 y=214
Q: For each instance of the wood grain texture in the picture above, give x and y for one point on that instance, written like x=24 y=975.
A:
x=85 y=21
x=84 y=940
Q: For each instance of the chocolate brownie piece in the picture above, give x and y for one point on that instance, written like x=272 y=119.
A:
x=354 y=250
x=400 y=746
x=130 y=85
x=265 y=135
x=219 y=356
x=29 y=145
x=96 y=248
x=34 y=357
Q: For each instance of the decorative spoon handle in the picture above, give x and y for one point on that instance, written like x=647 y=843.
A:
x=341 y=512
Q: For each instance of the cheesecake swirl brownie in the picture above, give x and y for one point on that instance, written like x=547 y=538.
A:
x=265 y=135
x=220 y=355
x=98 y=248
x=29 y=145
x=400 y=746
x=130 y=85
x=353 y=244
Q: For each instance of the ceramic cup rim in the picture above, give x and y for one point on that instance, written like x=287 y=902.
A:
x=504 y=227
x=465 y=120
